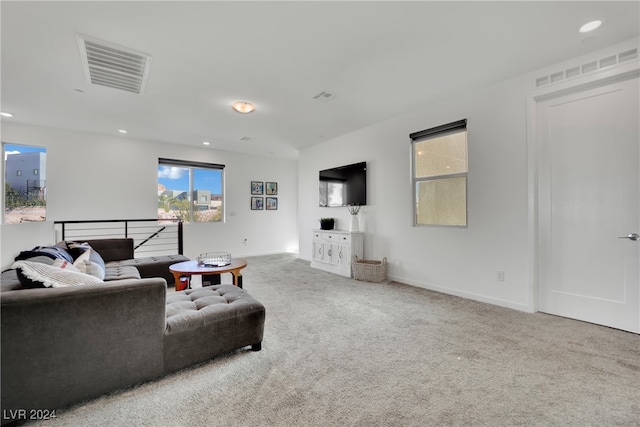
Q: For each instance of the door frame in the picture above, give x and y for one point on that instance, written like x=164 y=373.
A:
x=608 y=75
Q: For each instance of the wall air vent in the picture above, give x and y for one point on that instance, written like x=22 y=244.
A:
x=114 y=66
x=586 y=68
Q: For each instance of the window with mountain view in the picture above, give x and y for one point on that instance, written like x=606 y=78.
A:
x=25 y=183
x=190 y=191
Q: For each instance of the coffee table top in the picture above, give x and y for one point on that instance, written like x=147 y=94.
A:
x=192 y=267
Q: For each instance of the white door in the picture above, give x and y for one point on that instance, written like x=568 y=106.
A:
x=588 y=187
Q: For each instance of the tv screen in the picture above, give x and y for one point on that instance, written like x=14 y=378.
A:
x=344 y=186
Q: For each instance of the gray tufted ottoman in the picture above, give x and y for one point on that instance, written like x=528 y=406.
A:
x=206 y=322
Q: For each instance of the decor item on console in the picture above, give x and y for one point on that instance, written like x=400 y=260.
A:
x=354 y=224
x=327 y=223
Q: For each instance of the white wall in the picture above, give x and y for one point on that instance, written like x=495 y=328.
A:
x=92 y=176
x=501 y=194
x=460 y=261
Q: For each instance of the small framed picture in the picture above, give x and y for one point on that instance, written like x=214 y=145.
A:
x=257 y=203
x=257 y=187
x=272 y=203
x=272 y=188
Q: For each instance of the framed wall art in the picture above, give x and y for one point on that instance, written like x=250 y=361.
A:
x=257 y=187
x=272 y=203
x=257 y=203
x=272 y=188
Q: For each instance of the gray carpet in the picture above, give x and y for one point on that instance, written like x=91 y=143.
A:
x=338 y=352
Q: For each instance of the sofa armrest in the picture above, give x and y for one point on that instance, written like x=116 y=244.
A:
x=63 y=345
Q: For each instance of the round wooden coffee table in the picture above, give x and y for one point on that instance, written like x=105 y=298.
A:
x=190 y=268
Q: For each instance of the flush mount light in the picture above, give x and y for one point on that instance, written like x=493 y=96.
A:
x=122 y=130
x=590 y=26
x=243 y=107
x=206 y=143
x=3 y=114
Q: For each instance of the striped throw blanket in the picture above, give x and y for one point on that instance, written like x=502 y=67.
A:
x=52 y=276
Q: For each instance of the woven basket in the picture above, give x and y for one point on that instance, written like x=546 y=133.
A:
x=368 y=270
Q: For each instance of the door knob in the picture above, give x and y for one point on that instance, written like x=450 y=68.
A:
x=632 y=236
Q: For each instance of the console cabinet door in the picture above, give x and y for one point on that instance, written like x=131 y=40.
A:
x=343 y=256
x=318 y=250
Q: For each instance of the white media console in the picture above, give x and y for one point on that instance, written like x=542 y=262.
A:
x=333 y=250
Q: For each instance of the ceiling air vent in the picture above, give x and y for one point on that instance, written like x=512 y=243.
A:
x=114 y=66
x=324 y=96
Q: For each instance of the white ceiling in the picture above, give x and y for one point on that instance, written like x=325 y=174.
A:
x=380 y=59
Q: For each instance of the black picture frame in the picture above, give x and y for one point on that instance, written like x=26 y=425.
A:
x=271 y=188
x=257 y=187
x=257 y=203
x=271 y=204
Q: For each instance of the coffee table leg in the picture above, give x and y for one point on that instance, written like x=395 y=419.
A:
x=176 y=280
x=178 y=283
x=237 y=278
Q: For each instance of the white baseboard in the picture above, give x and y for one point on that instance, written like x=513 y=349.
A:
x=468 y=295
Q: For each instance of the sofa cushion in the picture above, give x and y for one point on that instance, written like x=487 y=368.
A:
x=37 y=274
x=10 y=281
x=120 y=272
x=193 y=308
x=114 y=249
x=154 y=266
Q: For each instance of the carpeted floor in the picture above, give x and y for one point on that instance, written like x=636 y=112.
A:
x=338 y=352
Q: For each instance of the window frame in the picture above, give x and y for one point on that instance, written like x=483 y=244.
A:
x=191 y=192
x=425 y=135
x=29 y=148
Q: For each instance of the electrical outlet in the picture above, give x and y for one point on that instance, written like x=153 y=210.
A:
x=500 y=276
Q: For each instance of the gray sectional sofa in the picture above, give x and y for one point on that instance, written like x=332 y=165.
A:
x=63 y=345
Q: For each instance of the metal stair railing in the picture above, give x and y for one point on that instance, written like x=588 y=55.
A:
x=151 y=236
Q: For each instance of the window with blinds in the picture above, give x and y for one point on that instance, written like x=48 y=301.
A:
x=439 y=171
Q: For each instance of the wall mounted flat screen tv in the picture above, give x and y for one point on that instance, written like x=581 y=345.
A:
x=344 y=185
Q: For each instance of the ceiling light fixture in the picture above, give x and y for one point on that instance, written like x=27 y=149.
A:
x=206 y=143
x=243 y=107
x=3 y=114
x=122 y=130
x=590 y=26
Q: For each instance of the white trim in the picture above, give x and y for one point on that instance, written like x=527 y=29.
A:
x=613 y=74
x=467 y=295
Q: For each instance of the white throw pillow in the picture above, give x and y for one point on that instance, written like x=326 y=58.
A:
x=84 y=264
x=54 y=277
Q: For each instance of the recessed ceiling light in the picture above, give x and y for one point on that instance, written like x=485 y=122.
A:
x=243 y=107
x=3 y=114
x=206 y=143
x=590 y=26
x=122 y=130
